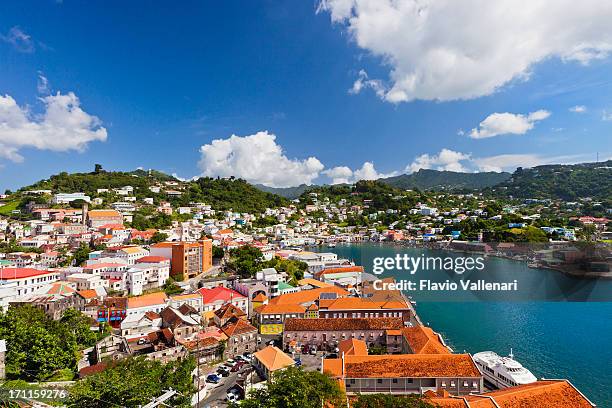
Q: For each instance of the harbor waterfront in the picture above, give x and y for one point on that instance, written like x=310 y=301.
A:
x=555 y=324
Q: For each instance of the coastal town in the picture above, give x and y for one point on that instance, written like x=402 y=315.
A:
x=247 y=295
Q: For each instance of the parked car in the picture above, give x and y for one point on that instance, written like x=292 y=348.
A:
x=231 y=397
x=223 y=372
x=248 y=357
x=313 y=350
x=305 y=349
x=331 y=355
x=237 y=366
x=298 y=362
x=213 y=379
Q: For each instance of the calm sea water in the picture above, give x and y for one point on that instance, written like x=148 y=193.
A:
x=551 y=336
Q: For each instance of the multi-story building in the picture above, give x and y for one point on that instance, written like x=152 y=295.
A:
x=187 y=259
x=65 y=198
x=241 y=337
x=456 y=374
x=364 y=307
x=152 y=302
x=327 y=333
x=272 y=317
x=98 y=218
x=215 y=298
x=130 y=254
x=27 y=280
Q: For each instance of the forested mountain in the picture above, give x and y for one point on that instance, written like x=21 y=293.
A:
x=287 y=192
x=426 y=179
x=566 y=182
x=221 y=194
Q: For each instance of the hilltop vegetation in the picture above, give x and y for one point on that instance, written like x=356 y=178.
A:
x=89 y=183
x=426 y=179
x=565 y=182
x=221 y=194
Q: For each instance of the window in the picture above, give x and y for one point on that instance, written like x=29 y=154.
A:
x=443 y=383
x=452 y=383
x=352 y=381
x=465 y=384
x=395 y=381
x=474 y=384
x=379 y=381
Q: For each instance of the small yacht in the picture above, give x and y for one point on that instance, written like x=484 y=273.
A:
x=502 y=372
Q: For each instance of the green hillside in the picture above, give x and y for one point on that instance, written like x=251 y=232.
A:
x=221 y=194
x=426 y=179
x=566 y=182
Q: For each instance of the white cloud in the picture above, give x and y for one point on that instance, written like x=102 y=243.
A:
x=42 y=85
x=446 y=159
x=19 y=39
x=62 y=126
x=339 y=175
x=509 y=162
x=363 y=82
x=578 y=109
x=507 y=123
x=344 y=175
x=465 y=162
x=607 y=116
x=258 y=159
x=448 y=49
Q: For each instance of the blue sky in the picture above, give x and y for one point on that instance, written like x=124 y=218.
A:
x=163 y=81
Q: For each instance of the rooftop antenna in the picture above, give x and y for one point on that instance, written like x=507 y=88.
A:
x=511 y=353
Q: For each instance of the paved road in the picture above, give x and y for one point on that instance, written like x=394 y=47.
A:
x=218 y=392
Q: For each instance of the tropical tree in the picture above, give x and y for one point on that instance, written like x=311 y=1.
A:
x=296 y=388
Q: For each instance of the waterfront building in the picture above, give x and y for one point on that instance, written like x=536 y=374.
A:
x=456 y=374
x=328 y=333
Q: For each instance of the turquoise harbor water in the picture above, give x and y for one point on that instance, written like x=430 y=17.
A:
x=552 y=337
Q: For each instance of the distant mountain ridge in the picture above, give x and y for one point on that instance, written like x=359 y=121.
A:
x=560 y=181
x=427 y=179
x=287 y=192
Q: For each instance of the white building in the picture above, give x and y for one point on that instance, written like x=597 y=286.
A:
x=27 y=280
x=65 y=198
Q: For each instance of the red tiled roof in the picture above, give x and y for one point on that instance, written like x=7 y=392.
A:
x=219 y=293
x=410 y=366
x=238 y=327
x=540 y=394
x=20 y=273
x=353 y=347
x=423 y=340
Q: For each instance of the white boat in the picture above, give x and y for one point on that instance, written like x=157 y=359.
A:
x=502 y=372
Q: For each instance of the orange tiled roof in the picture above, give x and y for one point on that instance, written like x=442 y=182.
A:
x=331 y=324
x=273 y=358
x=540 y=394
x=353 y=347
x=280 y=309
x=410 y=366
x=314 y=282
x=238 y=327
x=88 y=293
x=306 y=296
x=229 y=310
x=151 y=299
x=103 y=213
x=423 y=340
x=260 y=298
x=352 y=303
